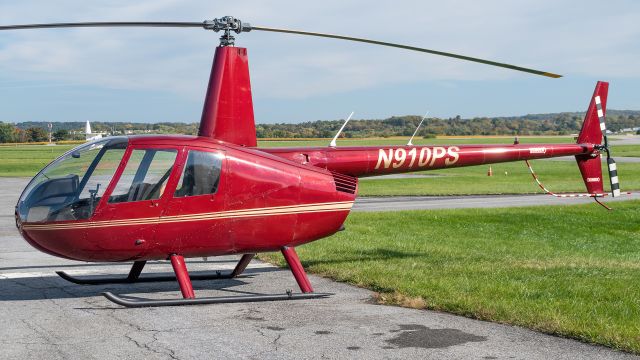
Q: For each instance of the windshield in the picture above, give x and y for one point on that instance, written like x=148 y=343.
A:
x=70 y=187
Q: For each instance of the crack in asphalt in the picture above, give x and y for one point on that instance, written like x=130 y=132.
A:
x=153 y=346
x=275 y=341
x=48 y=340
x=148 y=345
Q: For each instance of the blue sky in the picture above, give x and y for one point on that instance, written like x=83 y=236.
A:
x=161 y=74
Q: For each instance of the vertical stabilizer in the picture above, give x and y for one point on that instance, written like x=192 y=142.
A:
x=592 y=132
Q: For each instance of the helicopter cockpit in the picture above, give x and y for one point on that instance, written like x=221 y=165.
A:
x=70 y=187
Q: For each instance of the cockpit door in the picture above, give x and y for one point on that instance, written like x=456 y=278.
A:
x=126 y=220
x=194 y=220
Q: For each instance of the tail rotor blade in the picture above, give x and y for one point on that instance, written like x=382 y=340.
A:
x=613 y=177
x=611 y=164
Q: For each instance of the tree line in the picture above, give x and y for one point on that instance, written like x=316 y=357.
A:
x=533 y=124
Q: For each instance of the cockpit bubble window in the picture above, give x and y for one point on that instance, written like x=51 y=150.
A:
x=201 y=174
x=145 y=176
x=71 y=186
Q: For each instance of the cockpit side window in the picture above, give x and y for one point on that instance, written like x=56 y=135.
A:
x=201 y=174
x=145 y=176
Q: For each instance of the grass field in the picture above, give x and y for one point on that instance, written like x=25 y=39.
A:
x=26 y=160
x=577 y=277
x=625 y=150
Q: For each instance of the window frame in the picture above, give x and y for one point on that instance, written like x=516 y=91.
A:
x=170 y=182
x=183 y=166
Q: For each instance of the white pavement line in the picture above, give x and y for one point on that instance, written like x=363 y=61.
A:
x=51 y=273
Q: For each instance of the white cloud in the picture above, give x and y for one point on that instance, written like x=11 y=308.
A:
x=571 y=37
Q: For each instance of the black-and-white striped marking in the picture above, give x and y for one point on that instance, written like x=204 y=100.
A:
x=613 y=177
x=603 y=126
x=613 y=169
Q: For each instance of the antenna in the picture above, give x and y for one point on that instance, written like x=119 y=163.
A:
x=418 y=128
x=333 y=142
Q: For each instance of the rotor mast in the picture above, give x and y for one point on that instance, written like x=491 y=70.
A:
x=228 y=24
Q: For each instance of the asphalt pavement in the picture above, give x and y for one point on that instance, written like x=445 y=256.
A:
x=45 y=317
x=624 y=139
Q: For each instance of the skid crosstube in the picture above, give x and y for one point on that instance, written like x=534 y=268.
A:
x=124 y=280
x=211 y=300
x=136 y=269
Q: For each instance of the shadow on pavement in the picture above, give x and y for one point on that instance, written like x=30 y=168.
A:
x=54 y=287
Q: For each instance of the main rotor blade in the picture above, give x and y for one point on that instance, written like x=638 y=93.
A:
x=435 y=52
x=104 y=24
x=207 y=25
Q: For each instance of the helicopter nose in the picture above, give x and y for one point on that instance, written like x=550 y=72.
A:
x=31 y=241
x=50 y=243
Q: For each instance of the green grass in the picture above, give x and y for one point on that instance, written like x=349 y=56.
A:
x=27 y=160
x=625 y=150
x=567 y=270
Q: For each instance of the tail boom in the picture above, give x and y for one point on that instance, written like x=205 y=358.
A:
x=372 y=161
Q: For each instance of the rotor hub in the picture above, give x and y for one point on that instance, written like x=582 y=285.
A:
x=228 y=24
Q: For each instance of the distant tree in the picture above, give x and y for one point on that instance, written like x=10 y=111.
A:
x=6 y=132
x=19 y=135
x=61 y=134
x=36 y=134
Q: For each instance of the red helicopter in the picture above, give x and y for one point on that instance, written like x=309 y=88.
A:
x=141 y=198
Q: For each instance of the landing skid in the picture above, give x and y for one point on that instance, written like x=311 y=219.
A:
x=186 y=288
x=131 y=303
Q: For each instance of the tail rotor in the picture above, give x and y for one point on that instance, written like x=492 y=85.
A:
x=611 y=164
x=594 y=131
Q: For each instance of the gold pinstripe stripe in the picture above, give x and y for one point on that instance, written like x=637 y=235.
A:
x=270 y=211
